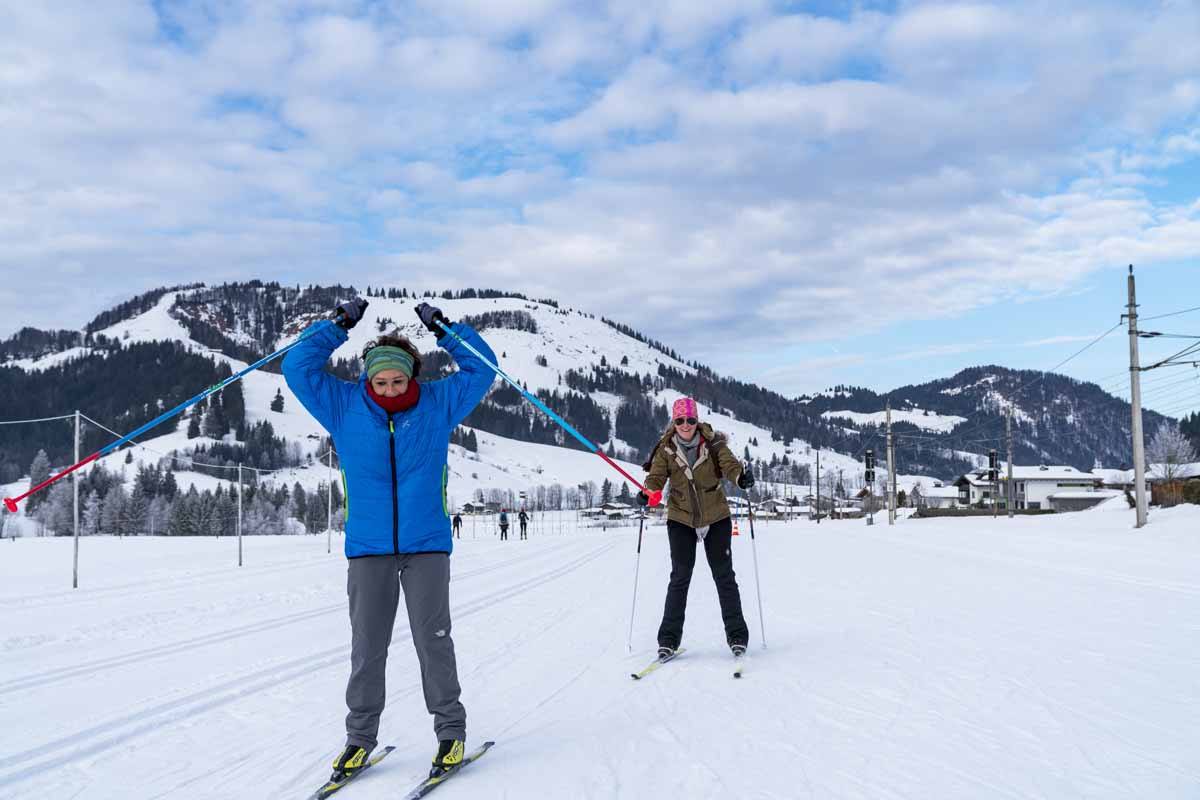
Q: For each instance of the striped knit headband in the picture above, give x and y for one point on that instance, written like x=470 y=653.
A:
x=387 y=357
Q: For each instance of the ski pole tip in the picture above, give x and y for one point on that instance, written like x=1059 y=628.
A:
x=10 y=504
x=654 y=498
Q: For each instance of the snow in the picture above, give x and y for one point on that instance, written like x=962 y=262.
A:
x=46 y=362
x=1179 y=472
x=941 y=423
x=1053 y=473
x=1112 y=477
x=1037 y=657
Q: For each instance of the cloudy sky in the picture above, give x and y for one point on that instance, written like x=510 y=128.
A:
x=798 y=193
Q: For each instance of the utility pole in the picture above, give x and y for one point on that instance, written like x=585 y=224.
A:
x=1009 y=493
x=818 y=486
x=239 y=520
x=1135 y=389
x=869 y=480
x=891 y=457
x=995 y=492
x=75 y=483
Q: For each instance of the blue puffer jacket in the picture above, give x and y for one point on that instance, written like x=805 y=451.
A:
x=393 y=466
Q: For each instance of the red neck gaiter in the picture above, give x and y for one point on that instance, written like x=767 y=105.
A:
x=401 y=402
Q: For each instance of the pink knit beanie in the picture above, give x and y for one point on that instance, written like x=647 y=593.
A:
x=685 y=407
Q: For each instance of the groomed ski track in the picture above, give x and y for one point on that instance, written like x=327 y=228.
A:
x=974 y=658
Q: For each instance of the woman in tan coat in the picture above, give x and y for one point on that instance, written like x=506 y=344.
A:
x=694 y=459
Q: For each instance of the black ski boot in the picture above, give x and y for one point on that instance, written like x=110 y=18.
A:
x=449 y=755
x=352 y=759
x=665 y=653
x=738 y=650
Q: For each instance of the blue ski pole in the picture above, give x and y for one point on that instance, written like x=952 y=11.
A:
x=655 y=497
x=11 y=502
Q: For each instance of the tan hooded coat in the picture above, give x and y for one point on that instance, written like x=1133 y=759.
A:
x=696 y=497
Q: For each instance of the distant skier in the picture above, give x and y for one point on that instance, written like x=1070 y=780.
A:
x=503 y=525
x=523 y=518
x=392 y=435
x=457 y=525
x=694 y=459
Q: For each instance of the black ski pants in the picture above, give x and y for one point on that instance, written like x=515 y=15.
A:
x=524 y=527
x=720 y=561
x=503 y=532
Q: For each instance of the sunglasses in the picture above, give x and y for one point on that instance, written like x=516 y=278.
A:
x=688 y=420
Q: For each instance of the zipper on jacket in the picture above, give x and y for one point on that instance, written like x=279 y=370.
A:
x=395 y=499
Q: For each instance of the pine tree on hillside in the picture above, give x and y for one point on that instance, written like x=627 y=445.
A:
x=215 y=425
x=137 y=514
x=39 y=471
x=112 y=518
x=89 y=520
x=181 y=520
x=300 y=504
x=168 y=488
x=277 y=403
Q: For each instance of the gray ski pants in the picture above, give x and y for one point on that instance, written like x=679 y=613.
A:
x=374 y=584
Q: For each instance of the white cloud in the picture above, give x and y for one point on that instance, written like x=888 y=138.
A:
x=787 y=177
x=804 y=46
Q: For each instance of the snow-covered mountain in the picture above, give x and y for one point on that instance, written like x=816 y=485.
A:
x=1056 y=419
x=611 y=382
x=620 y=385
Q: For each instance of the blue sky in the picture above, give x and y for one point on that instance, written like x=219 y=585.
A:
x=800 y=194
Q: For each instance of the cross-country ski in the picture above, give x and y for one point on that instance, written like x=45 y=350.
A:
x=332 y=786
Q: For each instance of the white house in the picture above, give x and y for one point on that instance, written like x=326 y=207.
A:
x=938 y=497
x=1032 y=486
x=974 y=488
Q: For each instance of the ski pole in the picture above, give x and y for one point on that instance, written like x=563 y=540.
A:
x=637 y=566
x=757 y=581
x=11 y=502
x=655 y=497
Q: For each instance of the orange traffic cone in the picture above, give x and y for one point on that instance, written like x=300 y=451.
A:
x=735 y=530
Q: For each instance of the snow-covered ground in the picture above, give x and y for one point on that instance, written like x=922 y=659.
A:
x=1048 y=657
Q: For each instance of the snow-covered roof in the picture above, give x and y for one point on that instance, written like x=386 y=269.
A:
x=948 y=492
x=1180 y=472
x=1154 y=472
x=1042 y=473
x=1113 y=476
x=1048 y=473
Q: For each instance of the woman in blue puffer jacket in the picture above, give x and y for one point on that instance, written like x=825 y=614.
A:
x=392 y=435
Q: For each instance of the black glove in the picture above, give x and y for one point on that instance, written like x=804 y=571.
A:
x=642 y=499
x=348 y=314
x=746 y=479
x=430 y=316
